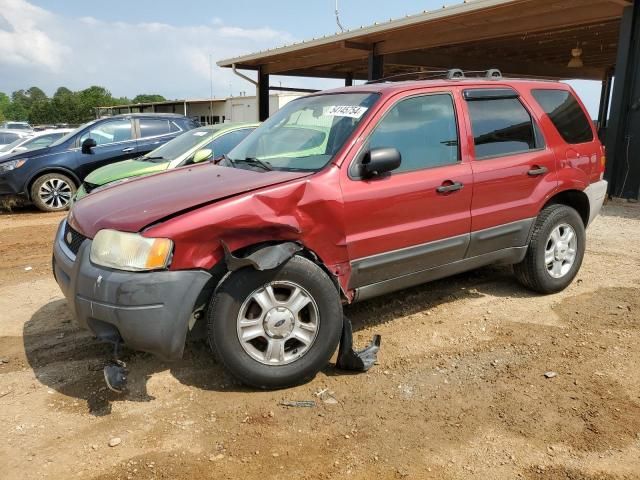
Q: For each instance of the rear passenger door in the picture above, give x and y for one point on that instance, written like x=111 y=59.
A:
x=153 y=132
x=405 y=221
x=513 y=170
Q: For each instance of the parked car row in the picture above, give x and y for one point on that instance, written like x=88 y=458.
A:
x=192 y=147
x=340 y=196
x=32 y=141
x=50 y=176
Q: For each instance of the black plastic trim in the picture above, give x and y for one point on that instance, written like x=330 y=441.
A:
x=383 y=266
x=515 y=234
x=506 y=256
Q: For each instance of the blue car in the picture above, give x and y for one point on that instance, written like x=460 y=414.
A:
x=49 y=176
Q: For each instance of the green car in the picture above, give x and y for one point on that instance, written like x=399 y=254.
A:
x=194 y=146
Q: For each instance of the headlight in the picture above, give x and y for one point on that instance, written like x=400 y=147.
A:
x=130 y=251
x=12 y=164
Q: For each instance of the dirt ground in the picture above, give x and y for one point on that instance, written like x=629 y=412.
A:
x=459 y=391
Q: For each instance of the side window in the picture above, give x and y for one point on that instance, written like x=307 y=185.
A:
x=40 y=142
x=227 y=142
x=502 y=126
x=152 y=127
x=111 y=131
x=566 y=114
x=423 y=129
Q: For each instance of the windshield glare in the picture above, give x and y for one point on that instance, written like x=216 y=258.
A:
x=179 y=145
x=307 y=132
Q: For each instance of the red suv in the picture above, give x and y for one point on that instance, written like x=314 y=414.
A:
x=339 y=197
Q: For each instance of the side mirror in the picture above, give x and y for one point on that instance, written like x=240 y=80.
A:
x=88 y=144
x=20 y=149
x=380 y=160
x=202 y=155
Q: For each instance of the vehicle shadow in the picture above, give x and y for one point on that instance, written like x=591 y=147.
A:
x=69 y=360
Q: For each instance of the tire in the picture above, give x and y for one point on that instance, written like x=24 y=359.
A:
x=260 y=362
x=52 y=192
x=547 y=266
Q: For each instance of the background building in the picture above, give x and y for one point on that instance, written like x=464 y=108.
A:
x=206 y=111
x=554 y=39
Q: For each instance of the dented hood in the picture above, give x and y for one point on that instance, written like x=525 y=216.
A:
x=131 y=206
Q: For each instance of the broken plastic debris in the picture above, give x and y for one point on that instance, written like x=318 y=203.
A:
x=350 y=359
x=298 y=403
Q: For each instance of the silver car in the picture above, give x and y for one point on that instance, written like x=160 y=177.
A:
x=32 y=141
x=10 y=136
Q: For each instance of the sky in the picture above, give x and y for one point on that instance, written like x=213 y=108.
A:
x=165 y=47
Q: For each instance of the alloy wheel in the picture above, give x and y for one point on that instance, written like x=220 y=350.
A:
x=55 y=193
x=560 y=251
x=278 y=323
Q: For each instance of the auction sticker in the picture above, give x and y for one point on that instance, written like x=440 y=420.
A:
x=352 y=111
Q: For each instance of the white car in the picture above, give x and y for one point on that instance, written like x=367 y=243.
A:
x=24 y=126
x=31 y=141
x=10 y=136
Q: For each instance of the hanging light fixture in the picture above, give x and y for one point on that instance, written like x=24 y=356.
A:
x=576 y=57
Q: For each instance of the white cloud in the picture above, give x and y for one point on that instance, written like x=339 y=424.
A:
x=22 y=42
x=38 y=47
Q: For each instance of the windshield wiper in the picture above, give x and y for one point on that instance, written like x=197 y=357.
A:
x=228 y=159
x=254 y=161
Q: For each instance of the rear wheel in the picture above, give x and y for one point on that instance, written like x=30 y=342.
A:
x=275 y=328
x=52 y=192
x=556 y=250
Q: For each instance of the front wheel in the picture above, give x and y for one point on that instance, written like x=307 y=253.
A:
x=275 y=328
x=555 y=252
x=52 y=192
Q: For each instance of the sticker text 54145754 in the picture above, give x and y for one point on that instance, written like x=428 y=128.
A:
x=352 y=111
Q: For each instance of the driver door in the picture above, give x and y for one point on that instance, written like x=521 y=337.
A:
x=114 y=142
x=405 y=221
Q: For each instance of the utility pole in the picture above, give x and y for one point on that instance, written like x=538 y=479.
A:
x=211 y=94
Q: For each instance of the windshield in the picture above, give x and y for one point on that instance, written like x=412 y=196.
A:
x=66 y=137
x=305 y=134
x=179 y=145
x=6 y=148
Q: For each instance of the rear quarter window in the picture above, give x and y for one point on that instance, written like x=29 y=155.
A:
x=566 y=114
x=151 y=127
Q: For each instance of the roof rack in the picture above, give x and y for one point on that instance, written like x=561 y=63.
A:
x=451 y=74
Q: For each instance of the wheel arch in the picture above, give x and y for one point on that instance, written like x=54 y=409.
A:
x=576 y=199
x=220 y=270
x=46 y=171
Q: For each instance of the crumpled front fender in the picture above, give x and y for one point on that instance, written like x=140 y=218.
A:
x=265 y=258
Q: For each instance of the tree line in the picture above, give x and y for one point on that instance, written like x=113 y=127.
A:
x=65 y=106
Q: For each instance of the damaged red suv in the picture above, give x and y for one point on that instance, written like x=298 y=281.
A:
x=341 y=196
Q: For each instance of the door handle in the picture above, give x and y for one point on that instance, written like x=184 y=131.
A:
x=535 y=171
x=128 y=149
x=452 y=187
